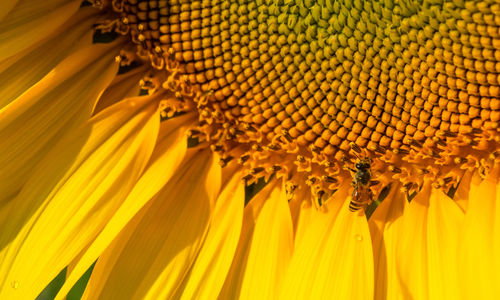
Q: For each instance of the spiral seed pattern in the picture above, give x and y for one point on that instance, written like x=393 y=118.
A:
x=323 y=75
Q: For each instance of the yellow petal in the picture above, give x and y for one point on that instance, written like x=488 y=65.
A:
x=164 y=162
x=25 y=69
x=496 y=232
x=270 y=249
x=31 y=21
x=301 y=210
x=461 y=196
x=6 y=6
x=151 y=262
x=334 y=259
x=207 y=275
x=444 y=223
x=478 y=254
x=111 y=256
x=72 y=193
x=306 y=214
x=412 y=243
x=426 y=254
x=124 y=86
x=55 y=105
x=385 y=228
x=234 y=279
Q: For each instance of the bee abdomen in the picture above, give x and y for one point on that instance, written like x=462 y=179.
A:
x=354 y=206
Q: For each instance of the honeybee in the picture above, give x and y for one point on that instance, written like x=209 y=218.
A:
x=362 y=194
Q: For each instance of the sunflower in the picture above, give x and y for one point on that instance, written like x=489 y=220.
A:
x=287 y=149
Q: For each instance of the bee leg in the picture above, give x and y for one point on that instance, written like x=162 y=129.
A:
x=374 y=182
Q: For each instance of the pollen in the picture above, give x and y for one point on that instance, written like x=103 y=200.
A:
x=288 y=87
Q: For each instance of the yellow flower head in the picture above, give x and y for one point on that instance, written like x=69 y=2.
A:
x=305 y=89
x=133 y=133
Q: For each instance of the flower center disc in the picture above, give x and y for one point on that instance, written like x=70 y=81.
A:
x=311 y=79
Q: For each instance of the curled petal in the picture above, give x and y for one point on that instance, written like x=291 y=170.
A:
x=155 y=251
x=165 y=161
x=207 y=275
x=54 y=106
x=77 y=187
